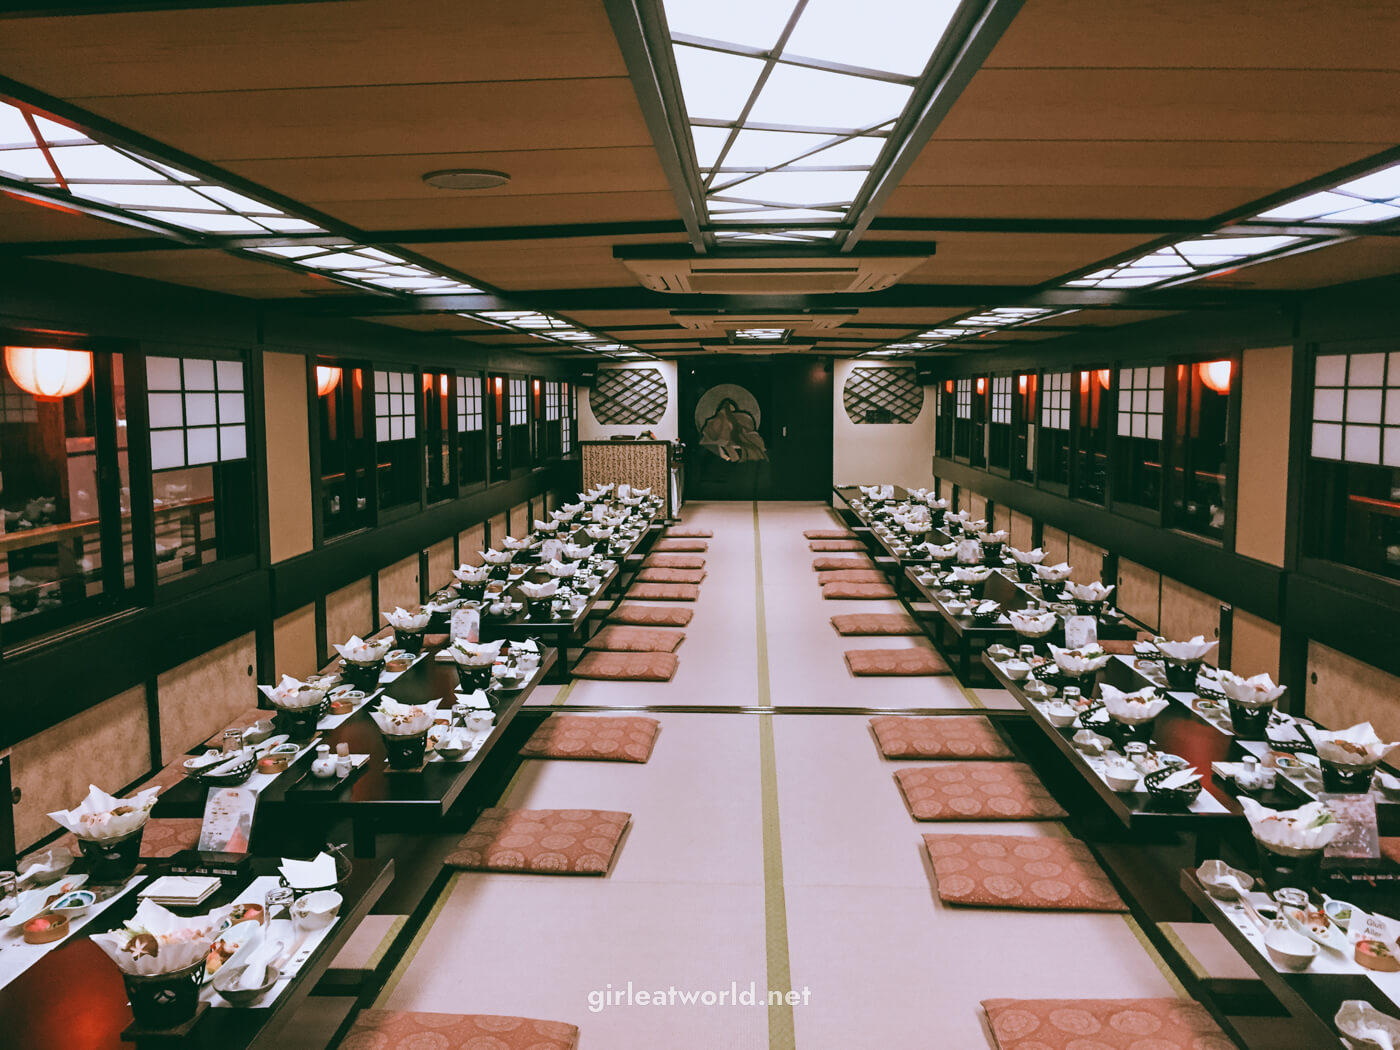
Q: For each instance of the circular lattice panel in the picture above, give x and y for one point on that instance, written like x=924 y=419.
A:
x=883 y=395
x=626 y=397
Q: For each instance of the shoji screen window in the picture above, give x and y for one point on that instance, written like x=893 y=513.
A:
x=1352 y=498
x=567 y=424
x=396 y=439
x=553 y=413
x=438 y=406
x=471 y=431
x=518 y=412
x=1091 y=435
x=962 y=420
x=1023 y=427
x=202 y=478
x=943 y=425
x=1199 y=437
x=1000 y=423
x=1052 y=469
x=497 y=427
x=345 y=446
x=1138 y=445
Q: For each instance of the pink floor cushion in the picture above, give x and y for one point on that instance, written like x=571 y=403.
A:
x=620 y=639
x=867 y=591
x=627 y=667
x=680 y=546
x=674 y=561
x=875 y=623
x=958 y=736
x=835 y=545
x=549 y=841
x=409 y=1030
x=1119 y=646
x=664 y=592
x=651 y=615
x=161 y=837
x=852 y=576
x=915 y=660
x=1103 y=1024
x=689 y=532
x=976 y=791
x=829 y=534
x=1020 y=871
x=671 y=575
x=826 y=563
x=606 y=739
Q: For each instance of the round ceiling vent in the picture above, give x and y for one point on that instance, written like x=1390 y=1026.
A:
x=466 y=179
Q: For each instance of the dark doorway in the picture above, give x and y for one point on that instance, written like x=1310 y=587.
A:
x=756 y=427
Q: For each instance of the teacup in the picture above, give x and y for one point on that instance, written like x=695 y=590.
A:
x=316 y=910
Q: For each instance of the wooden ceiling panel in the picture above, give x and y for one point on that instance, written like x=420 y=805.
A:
x=1106 y=318
x=212 y=270
x=629 y=169
x=914 y=317
x=309 y=45
x=1288 y=105
x=1196 y=34
x=1014 y=258
x=623 y=318
x=1067 y=202
x=401 y=118
x=22 y=220
x=445 y=211
x=1351 y=261
x=434 y=323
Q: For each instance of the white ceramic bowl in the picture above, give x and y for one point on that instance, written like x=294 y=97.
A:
x=1290 y=950
x=1016 y=670
x=316 y=910
x=1061 y=716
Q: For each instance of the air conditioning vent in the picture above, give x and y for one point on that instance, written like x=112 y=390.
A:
x=772 y=276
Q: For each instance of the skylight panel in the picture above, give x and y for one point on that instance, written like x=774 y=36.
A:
x=769 y=149
x=1208 y=250
x=14 y=129
x=908 y=346
x=708 y=142
x=27 y=164
x=1311 y=206
x=98 y=162
x=206 y=222
x=898 y=36
x=282 y=224
x=160 y=195
x=755 y=23
x=55 y=133
x=765 y=214
x=802 y=188
x=802 y=97
x=288 y=251
x=237 y=201
x=1368 y=213
x=716 y=85
x=1378 y=186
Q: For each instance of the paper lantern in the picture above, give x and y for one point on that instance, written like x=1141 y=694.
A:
x=1216 y=375
x=327 y=379
x=49 y=373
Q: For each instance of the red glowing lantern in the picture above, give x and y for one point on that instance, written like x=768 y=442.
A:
x=1216 y=375
x=327 y=379
x=48 y=373
x=981 y=385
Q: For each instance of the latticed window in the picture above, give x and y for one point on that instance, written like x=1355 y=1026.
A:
x=519 y=403
x=883 y=395
x=1141 y=392
x=566 y=429
x=395 y=414
x=628 y=396
x=1356 y=408
x=469 y=416
x=1054 y=400
x=963 y=404
x=1001 y=399
x=197 y=411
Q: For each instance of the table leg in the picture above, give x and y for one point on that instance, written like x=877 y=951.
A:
x=965 y=659
x=364 y=838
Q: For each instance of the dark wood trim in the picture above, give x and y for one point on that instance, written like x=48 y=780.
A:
x=1360 y=625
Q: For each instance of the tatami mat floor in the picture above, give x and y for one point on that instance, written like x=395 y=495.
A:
x=763 y=848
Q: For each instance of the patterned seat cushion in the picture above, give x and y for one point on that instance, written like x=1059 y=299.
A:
x=549 y=841
x=689 y=532
x=664 y=592
x=829 y=534
x=620 y=639
x=915 y=660
x=852 y=576
x=409 y=1030
x=671 y=575
x=866 y=591
x=959 y=736
x=1103 y=1024
x=651 y=615
x=1118 y=646
x=827 y=563
x=674 y=561
x=624 y=739
x=835 y=545
x=875 y=623
x=161 y=837
x=680 y=546
x=627 y=667
x=1020 y=871
x=976 y=791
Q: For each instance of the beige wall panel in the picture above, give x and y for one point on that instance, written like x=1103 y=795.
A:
x=398 y=585
x=880 y=453
x=1348 y=691
x=972 y=502
x=1022 y=528
x=471 y=543
x=520 y=519
x=289 y=471
x=1001 y=519
x=203 y=695
x=441 y=562
x=498 y=528
x=348 y=612
x=1139 y=592
x=104 y=745
x=1254 y=645
x=294 y=642
x=1055 y=544
x=1266 y=385
x=1187 y=612
x=1087 y=559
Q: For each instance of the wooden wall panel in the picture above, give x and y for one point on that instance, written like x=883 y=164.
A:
x=972 y=502
x=1087 y=560
x=294 y=642
x=499 y=527
x=1187 y=612
x=348 y=612
x=470 y=543
x=1139 y=592
x=1055 y=544
x=398 y=585
x=1254 y=645
x=1266 y=386
x=203 y=695
x=1001 y=519
x=1022 y=528
x=519 y=519
x=441 y=562
x=289 y=471
x=104 y=745
x=1348 y=691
